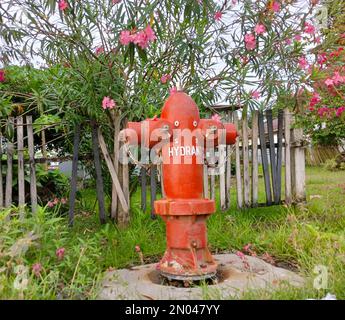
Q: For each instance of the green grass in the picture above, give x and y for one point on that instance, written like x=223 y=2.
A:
x=300 y=237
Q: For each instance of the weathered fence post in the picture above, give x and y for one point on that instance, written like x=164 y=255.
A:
x=298 y=168
x=287 y=126
x=264 y=160
x=238 y=166
x=279 y=156
x=21 y=179
x=255 y=171
x=205 y=173
x=143 y=188
x=228 y=169
x=221 y=165
x=9 y=174
x=245 y=153
x=74 y=175
x=114 y=196
x=33 y=185
x=98 y=168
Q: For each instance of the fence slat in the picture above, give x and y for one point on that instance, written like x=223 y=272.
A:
x=264 y=160
x=9 y=174
x=143 y=188
x=114 y=196
x=245 y=152
x=273 y=162
x=255 y=171
x=299 y=165
x=1 y=182
x=287 y=125
x=228 y=168
x=238 y=166
x=98 y=168
x=115 y=179
x=153 y=184
x=20 y=153
x=33 y=184
x=125 y=183
x=221 y=165
x=279 y=155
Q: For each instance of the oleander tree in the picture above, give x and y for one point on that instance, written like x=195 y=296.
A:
x=323 y=88
x=125 y=56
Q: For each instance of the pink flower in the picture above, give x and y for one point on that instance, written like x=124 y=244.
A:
x=108 y=103
x=255 y=94
x=247 y=247
x=173 y=90
x=329 y=82
x=2 y=75
x=63 y=5
x=339 y=111
x=56 y=201
x=315 y=99
x=287 y=41
x=218 y=16
x=137 y=248
x=165 y=78
x=302 y=63
x=60 y=253
x=311 y=109
x=337 y=78
x=36 y=269
x=297 y=37
x=151 y=36
x=63 y=201
x=116 y=1
x=125 y=37
x=259 y=29
x=321 y=58
x=216 y=117
x=276 y=6
x=99 y=50
x=317 y=40
x=249 y=39
x=309 y=28
x=50 y=204
x=141 y=39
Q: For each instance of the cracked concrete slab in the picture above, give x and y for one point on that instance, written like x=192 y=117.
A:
x=236 y=275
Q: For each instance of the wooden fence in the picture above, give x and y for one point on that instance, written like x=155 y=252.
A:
x=263 y=142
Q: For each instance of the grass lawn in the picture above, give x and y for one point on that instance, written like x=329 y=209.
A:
x=299 y=238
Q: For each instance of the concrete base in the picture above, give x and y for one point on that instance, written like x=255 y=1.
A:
x=236 y=275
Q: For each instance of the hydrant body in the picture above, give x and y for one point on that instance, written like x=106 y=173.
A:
x=181 y=137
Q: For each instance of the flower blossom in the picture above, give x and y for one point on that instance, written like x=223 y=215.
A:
x=339 y=111
x=125 y=37
x=216 y=117
x=329 y=82
x=141 y=38
x=337 y=78
x=309 y=28
x=315 y=99
x=302 y=63
x=36 y=269
x=108 y=103
x=259 y=29
x=63 y=5
x=165 y=78
x=218 y=16
x=2 y=76
x=250 y=41
x=255 y=94
x=297 y=37
x=60 y=253
x=321 y=58
x=275 y=6
x=99 y=50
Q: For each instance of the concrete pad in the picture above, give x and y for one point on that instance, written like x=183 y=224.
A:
x=236 y=275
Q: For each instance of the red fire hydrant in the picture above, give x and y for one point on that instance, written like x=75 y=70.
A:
x=181 y=137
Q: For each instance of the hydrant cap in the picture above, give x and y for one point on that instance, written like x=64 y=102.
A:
x=181 y=110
